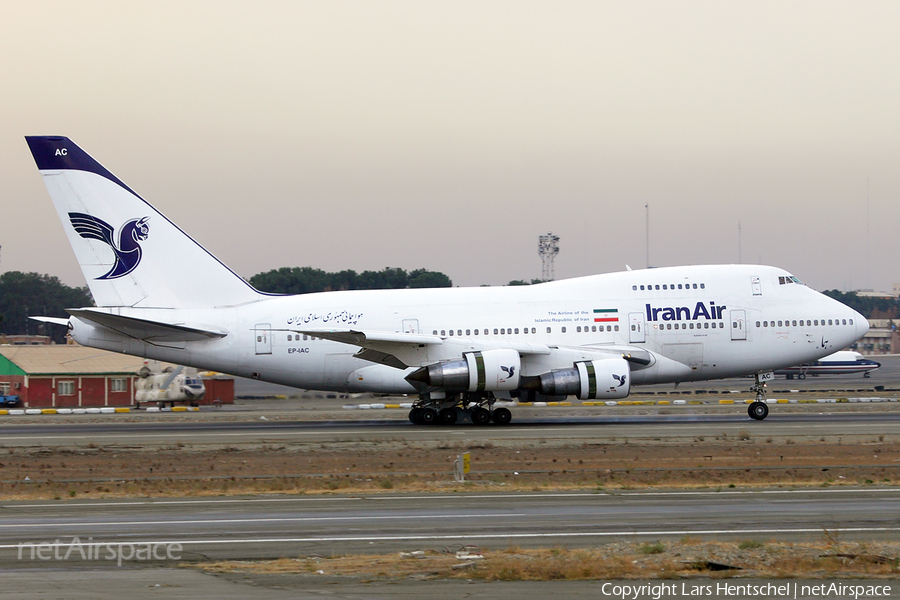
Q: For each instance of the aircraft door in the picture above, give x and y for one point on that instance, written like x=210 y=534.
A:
x=636 y=327
x=411 y=326
x=738 y=325
x=263 y=334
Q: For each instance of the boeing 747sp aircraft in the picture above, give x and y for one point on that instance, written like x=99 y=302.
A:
x=162 y=296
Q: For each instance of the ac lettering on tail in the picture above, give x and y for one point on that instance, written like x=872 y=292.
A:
x=678 y=313
x=61 y=152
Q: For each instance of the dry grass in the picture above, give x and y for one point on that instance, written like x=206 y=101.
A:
x=404 y=466
x=626 y=560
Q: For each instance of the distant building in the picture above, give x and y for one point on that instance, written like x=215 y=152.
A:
x=882 y=338
x=58 y=376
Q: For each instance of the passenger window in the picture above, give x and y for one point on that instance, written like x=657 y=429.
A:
x=657 y=286
x=503 y=331
x=765 y=324
x=779 y=323
x=816 y=322
x=289 y=337
x=634 y=287
x=304 y=336
x=451 y=333
x=468 y=332
x=563 y=329
x=844 y=321
x=459 y=332
x=517 y=330
x=633 y=327
x=578 y=329
x=443 y=333
x=679 y=286
x=795 y=323
x=706 y=326
x=476 y=332
x=495 y=331
x=829 y=321
x=533 y=330
x=851 y=321
x=695 y=286
x=664 y=286
x=702 y=286
x=642 y=288
x=548 y=330
x=434 y=332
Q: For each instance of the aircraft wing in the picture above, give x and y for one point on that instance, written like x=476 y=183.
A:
x=144 y=329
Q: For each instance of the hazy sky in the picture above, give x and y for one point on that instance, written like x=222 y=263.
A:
x=450 y=135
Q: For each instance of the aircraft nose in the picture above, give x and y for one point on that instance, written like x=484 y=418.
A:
x=862 y=324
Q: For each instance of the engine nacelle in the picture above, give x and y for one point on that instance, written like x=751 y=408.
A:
x=606 y=378
x=486 y=371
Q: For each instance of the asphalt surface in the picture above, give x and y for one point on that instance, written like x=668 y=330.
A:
x=35 y=537
x=275 y=526
x=816 y=420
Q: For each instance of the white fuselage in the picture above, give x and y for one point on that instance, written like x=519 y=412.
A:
x=698 y=322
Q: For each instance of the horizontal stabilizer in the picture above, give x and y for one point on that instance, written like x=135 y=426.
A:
x=144 y=329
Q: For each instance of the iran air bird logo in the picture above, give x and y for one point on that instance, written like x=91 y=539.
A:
x=510 y=371
x=128 y=248
x=620 y=379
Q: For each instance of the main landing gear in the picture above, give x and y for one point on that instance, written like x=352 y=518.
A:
x=758 y=409
x=457 y=408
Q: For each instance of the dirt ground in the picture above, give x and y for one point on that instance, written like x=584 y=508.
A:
x=401 y=465
x=683 y=559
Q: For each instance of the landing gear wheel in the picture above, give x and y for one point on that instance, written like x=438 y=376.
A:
x=501 y=416
x=414 y=416
x=801 y=376
x=428 y=416
x=447 y=416
x=758 y=410
x=480 y=416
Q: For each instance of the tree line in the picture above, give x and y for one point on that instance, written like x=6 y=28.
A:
x=870 y=308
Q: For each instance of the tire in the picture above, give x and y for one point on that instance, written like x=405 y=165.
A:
x=801 y=376
x=428 y=416
x=758 y=410
x=414 y=416
x=501 y=416
x=480 y=416
x=447 y=416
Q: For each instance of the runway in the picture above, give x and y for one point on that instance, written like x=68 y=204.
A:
x=835 y=420
x=266 y=527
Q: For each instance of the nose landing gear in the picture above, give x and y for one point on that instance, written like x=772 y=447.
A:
x=758 y=409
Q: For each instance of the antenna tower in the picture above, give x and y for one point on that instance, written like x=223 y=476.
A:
x=548 y=248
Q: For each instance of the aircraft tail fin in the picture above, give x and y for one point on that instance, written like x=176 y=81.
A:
x=130 y=253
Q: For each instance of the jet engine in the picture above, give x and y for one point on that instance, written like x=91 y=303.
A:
x=486 y=371
x=605 y=378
